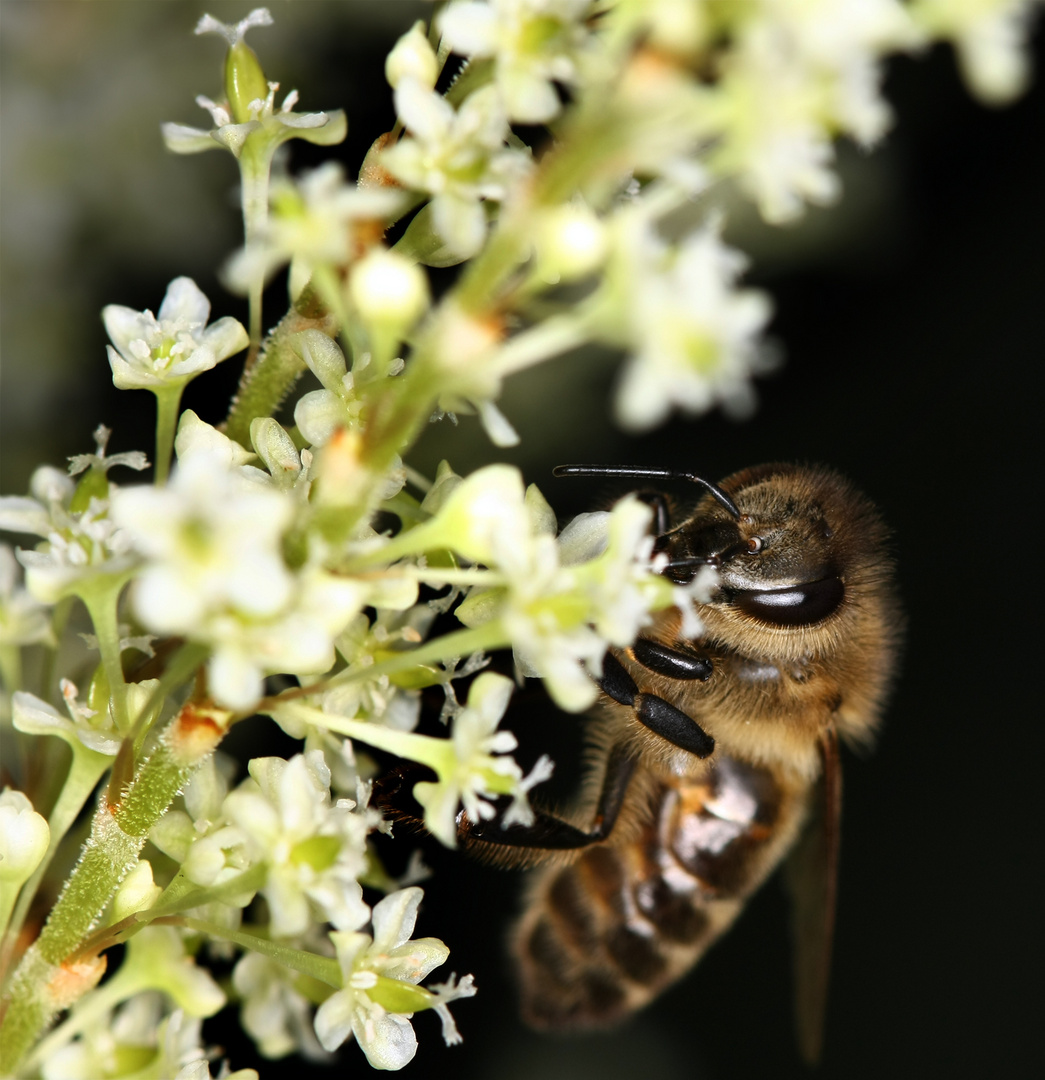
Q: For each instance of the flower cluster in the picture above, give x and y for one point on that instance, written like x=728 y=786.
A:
x=290 y=561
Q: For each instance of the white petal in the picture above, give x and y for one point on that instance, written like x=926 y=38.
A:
x=461 y=222
x=185 y=300
x=23 y=515
x=226 y=337
x=386 y=1038
x=394 y=918
x=318 y=414
x=182 y=139
x=124 y=325
x=234 y=679
x=424 y=112
x=333 y=1023
x=469 y=28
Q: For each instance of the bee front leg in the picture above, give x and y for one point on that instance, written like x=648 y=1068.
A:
x=660 y=716
x=550 y=833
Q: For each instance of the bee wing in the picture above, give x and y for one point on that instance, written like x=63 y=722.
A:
x=812 y=875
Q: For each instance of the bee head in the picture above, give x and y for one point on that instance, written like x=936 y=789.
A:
x=787 y=540
x=800 y=538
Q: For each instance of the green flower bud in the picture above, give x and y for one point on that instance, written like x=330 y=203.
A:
x=244 y=81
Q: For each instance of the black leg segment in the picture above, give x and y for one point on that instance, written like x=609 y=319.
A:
x=670 y=662
x=549 y=832
x=662 y=718
x=616 y=682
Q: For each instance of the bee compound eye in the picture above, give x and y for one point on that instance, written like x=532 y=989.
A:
x=794 y=605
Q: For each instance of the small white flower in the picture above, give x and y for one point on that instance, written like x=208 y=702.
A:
x=479 y=766
x=212 y=540
x=320 y=413
x=275 y=1015
x=214 y=571
x=255 y=121
x=81 y=541
x=95 y=730
x=23 y=619
x=990 y=37
x=371 y=968
x=458 y=157
x=533 y=43
x=692 y=333
x=317 y=220
x=172 y=348
x=313 y=850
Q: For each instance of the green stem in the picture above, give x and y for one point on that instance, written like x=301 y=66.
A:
x=265 y=384
x=11 y=667
x=318 y=967
x=85 y=770
x=168 y=400
x=475 y=639
x=254 y=178
x=101 y=600
x=118 y=834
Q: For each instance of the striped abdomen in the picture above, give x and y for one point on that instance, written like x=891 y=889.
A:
x=608 y=932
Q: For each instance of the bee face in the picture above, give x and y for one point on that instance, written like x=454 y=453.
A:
x=800 y=539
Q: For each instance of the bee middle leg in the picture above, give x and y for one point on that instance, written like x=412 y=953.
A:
x=660 y=716
x=550 y=833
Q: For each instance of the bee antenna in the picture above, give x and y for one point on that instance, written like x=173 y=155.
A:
x=646 y=473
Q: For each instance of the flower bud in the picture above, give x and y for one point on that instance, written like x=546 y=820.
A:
x=137 y=892
x=388 y=289
x=244 y=81
x=24 y=836
x=571 y=242
x=412 y=56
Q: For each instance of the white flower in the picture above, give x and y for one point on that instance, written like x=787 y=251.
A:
x=95 y=730
x=991 y=39
x=532 y=43
x=479 y=766
x=372 y=970
x=275 y=1015
x=24 y=836
x=317 y=220
x=250 y=115
x=797 y=75
x=692 y=333
x=23 y=619
x=81 y=540
x=458 y=157
x=129 y=1032
x=214 y=572
x=313 y=850
x=212 y=540
x=172 y=348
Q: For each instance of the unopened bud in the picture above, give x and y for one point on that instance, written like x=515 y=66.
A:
x=388 y=289
x=571 y=242
x=24 y=837
x=412 y=56
x=244 y=81
x=137 y=892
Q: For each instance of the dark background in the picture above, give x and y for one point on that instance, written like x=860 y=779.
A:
x=911 y=321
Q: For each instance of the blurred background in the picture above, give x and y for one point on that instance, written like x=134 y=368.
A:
x=911 y=324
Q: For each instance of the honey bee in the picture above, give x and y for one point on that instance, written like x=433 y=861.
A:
x=714 y=757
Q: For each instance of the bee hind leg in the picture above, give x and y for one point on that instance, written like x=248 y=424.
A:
x=660 y=716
